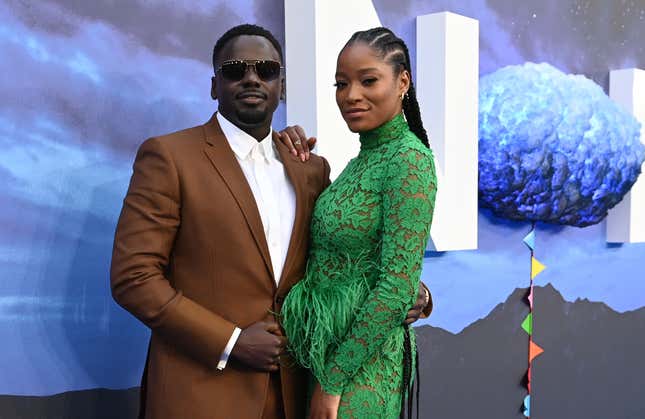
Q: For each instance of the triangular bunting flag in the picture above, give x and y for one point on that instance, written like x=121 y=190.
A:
x=529 y=240
x=530 y=297
x=536 y=267
x=534 y=350
x=527 y=406
x=527 y=324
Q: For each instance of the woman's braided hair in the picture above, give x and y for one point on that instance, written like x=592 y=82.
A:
x=395 y=52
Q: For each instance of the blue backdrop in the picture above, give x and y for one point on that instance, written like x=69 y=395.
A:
x=84 y=83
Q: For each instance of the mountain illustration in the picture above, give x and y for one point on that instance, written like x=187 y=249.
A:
x=592 y=367
x=98 y=403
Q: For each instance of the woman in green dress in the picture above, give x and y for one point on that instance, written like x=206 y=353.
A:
x=369 y=229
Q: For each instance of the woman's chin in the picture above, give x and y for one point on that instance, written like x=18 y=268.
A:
x=354 y=130
x=358 y=126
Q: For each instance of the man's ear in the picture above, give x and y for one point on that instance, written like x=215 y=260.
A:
x=214 y=88
x=283 y=89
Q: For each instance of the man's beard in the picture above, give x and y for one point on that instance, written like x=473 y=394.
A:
x=251 y=116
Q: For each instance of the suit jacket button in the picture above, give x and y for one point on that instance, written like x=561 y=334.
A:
x=279 y=299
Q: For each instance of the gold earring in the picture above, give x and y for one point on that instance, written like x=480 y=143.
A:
x=402 y=95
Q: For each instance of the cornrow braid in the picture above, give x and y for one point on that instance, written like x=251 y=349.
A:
x=411 y=105
x=395 y=52
x=407 y=376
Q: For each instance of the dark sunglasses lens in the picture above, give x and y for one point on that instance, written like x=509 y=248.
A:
x=268 y=70
x=233 y=71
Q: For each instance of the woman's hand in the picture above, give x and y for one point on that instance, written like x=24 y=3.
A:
x=296 y=140
x=323 y=405
x=423 y=298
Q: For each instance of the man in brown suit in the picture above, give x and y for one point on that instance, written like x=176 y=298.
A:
x=212 y=235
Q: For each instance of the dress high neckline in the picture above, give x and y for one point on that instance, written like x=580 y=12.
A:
x=389 y=131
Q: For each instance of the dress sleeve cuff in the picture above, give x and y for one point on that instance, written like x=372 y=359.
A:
x=334 y=381
x=331 y=389
x=223 y=359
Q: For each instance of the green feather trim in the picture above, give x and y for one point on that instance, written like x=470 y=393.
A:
x=319 y=310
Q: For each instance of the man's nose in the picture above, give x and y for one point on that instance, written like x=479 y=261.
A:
x=251 y=76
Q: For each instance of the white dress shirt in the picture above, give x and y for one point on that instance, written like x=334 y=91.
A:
x=274 y=196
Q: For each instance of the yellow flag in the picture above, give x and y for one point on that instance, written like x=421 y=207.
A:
x=536 y=267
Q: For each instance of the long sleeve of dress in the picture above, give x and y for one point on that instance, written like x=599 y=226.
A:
x=408 y=201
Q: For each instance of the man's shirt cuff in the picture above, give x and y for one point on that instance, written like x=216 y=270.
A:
x=223 y=359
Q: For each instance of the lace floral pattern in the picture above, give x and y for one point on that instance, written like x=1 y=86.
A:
x=368 y=234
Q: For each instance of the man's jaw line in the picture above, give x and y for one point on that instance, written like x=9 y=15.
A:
x=258 y=130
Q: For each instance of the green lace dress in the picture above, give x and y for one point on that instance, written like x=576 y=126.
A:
x=368 y=235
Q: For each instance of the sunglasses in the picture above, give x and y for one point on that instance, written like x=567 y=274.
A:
x=235 y=70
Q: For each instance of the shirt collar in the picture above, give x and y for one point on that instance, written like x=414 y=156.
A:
x=243 y=144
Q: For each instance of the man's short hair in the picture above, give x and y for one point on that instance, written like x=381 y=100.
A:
x=244 y=29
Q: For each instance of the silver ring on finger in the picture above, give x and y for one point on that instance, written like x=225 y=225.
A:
x=297 y=142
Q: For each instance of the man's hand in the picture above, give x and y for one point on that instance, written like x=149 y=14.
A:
x=422 y=301
x=260 y=345
x=323 y=405
x=296 y=140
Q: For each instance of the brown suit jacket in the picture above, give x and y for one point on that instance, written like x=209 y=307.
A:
x=191 y=261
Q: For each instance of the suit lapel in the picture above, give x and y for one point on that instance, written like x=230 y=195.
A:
x=223 y=159
x=290 y=163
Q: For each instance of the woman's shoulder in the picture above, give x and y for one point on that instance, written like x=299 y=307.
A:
x=411 y=147
x=410 y=157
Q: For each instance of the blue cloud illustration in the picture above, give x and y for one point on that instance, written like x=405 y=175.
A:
x=553 y=147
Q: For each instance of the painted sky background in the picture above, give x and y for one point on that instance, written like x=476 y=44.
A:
x=84 y=83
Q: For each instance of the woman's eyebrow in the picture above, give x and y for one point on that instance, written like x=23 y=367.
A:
x=361 y=71
x=367 y=70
